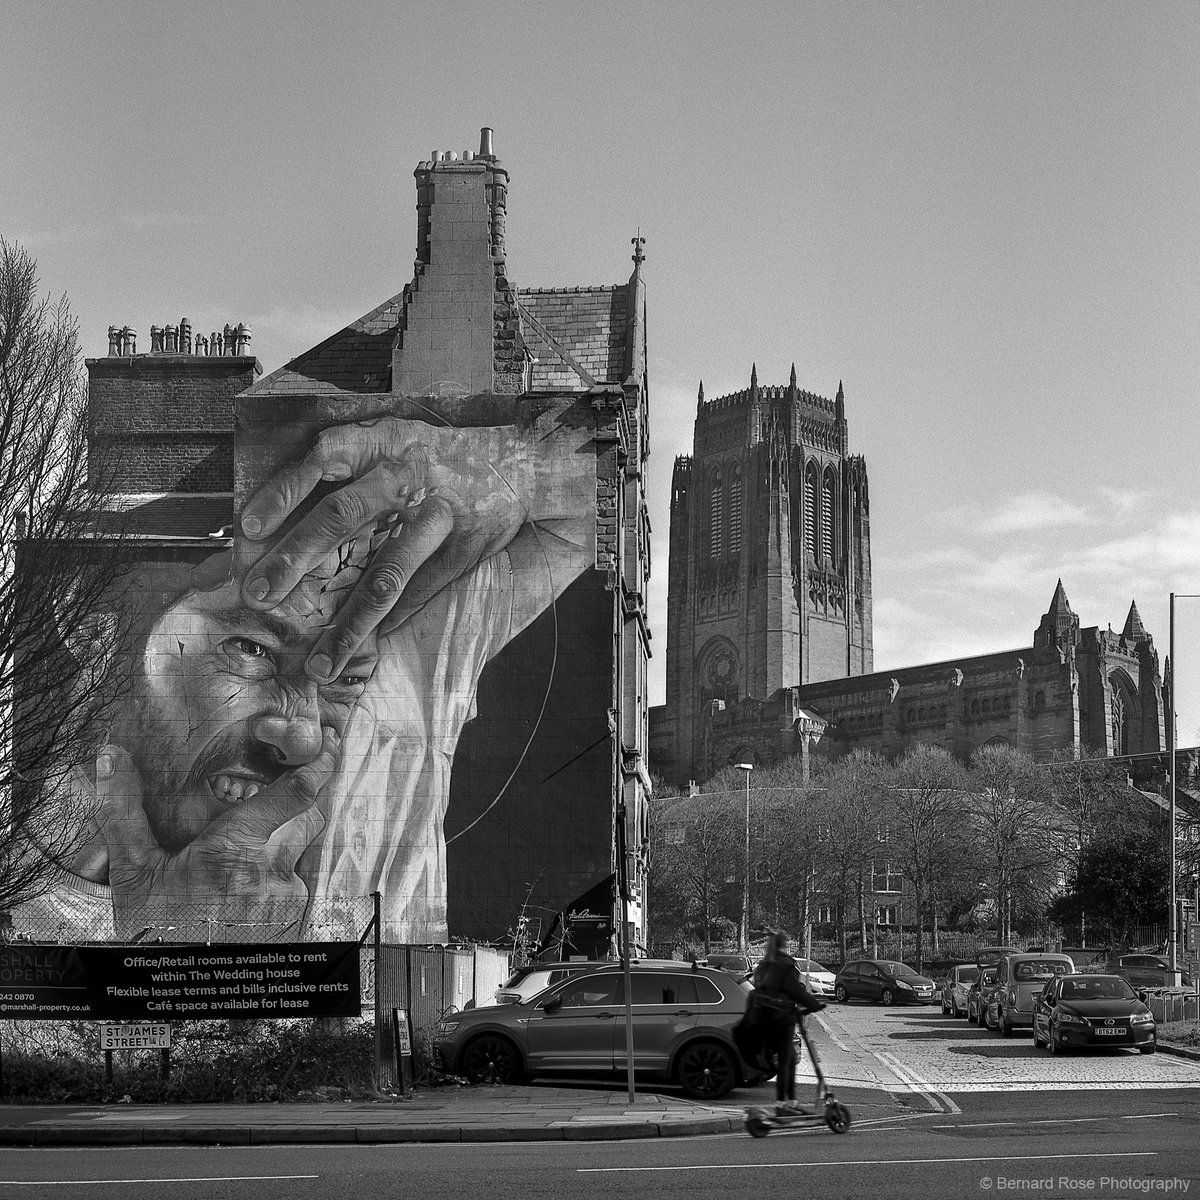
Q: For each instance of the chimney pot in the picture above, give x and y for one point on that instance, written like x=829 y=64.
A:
x=485 y=142
x=114 y=341
x=185 y=336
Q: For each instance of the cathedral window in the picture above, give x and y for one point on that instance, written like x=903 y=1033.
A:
x=714 y=518
x=1120 y=717
x=735 y=511
x=828 y=491
x=812 y=512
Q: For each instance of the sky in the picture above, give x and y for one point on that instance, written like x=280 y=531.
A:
x=981 y=218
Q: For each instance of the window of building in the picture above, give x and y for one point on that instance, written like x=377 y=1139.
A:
x=828 y=509
x=886 y=878
x=714 y=517
x=885 y=914
x=812 y=512
x=826 y=914
x=735 y=511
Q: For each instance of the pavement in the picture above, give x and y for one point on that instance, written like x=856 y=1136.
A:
x=482 y=1113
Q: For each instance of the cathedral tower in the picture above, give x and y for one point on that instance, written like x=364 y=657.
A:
x=769 y=573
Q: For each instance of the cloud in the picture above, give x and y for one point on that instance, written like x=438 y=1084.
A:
x=1034 y=511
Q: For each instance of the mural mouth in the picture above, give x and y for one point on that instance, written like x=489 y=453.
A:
x=234 y=789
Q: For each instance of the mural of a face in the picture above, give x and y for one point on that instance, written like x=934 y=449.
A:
x=223 y=706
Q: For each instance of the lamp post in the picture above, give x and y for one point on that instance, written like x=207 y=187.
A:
x=745 y=930
x=1172 y=734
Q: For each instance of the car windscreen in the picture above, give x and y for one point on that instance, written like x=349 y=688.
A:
x=968 y=974
x=1090 y=987
x=811 y=964
x=899 y=968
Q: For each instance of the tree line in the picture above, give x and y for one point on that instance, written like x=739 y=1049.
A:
x=1002 y=847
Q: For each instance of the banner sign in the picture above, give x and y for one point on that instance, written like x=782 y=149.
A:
x=161 y=983
x=135 y=1037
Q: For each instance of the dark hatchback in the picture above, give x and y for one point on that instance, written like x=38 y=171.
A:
x=1087 y=1011
x=683 y=1019
x=883 y=981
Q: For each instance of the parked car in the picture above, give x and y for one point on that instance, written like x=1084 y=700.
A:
x=979 y=995
x=739 y=965
x=683 y=1018
x=1077 y=1011
x=1019 y=979
x=1145 y=970
x=526 y=982
x=990 y=956
x=818 y=979
x=955 y=987
x=881 y=980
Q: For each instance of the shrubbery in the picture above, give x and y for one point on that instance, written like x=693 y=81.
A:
x=238 y=1061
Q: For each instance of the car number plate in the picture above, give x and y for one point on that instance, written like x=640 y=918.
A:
x=1119 y=1031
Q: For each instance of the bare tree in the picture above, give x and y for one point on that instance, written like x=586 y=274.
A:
x=56 y=589
x=1019 y=830
x=691 y=851
x=1091 y=790
x=850 y=811
x=927 y=820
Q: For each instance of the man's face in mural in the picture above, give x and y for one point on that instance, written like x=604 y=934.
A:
x=223 y=706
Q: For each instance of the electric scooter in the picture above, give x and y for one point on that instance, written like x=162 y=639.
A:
x=827 y=1110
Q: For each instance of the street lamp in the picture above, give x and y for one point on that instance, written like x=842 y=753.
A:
x=1173 y=735
x=745 y=930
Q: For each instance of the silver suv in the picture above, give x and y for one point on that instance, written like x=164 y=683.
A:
x=525 y=982
x=683 y=1019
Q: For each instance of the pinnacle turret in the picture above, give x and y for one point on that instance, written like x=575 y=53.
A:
x=1134 y=630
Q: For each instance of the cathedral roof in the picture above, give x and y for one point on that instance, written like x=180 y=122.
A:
x=1134 y=630
x=1059 y=604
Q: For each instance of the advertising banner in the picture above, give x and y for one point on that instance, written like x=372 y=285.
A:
x=161 y=983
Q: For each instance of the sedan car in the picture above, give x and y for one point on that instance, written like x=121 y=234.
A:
x=955 y=987
x=818 y=979
x=683 y=1018
x=1078 y=1011
x=979 y=996
x=881 y=980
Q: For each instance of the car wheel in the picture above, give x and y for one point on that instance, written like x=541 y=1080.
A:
x=1006 y=1029
x=1037 y=1041
x=492 y=1059
x=1145 y=1049
x=1052 y=1043
x=887 y=996
x=840 y=994
x=706 y=1071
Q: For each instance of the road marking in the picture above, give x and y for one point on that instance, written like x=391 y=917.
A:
x=825 y=1024
x=181 y=1179
x=1053 y=1121
x=874 y=1162
x=906 y=1075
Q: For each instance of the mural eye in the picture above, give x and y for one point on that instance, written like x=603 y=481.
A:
x=249 y=648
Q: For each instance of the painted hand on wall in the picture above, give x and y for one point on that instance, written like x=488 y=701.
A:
x=429 y=502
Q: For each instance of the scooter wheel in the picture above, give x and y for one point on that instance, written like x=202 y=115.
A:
x=757 y=1127
x=837 y=1117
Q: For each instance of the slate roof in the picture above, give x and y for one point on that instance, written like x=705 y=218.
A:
x=564 y=328
x=355 y=359
x=588 y=323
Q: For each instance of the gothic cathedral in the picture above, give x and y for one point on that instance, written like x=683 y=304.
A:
x=769 y=575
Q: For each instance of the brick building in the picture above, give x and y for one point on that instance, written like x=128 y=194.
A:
x=545 y=772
